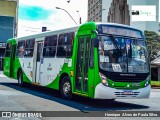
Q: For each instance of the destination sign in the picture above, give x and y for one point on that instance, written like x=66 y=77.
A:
x=121 y=31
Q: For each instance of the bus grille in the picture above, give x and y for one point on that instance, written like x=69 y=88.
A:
x=116 y=77
x=126 y=79
x=122 y=95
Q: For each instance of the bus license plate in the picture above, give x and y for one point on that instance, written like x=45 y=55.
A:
x=136 y=84
x=126 y=92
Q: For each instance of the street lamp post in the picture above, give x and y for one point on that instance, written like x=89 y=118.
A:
x=80 y=19
x=67 y=13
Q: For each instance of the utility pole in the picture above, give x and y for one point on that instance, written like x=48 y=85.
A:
x=80 y=19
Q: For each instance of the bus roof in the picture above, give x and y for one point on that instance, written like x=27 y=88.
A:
x=47 y=33
x=117 y=24
x=118 y=29
x=12 y=41
x=87 y=25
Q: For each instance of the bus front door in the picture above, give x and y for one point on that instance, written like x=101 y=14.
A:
x=82 y=67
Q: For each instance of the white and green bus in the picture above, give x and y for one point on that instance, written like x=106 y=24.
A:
x=95 y=60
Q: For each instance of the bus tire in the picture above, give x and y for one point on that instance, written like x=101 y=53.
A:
x=20 y=79
x=66 y=88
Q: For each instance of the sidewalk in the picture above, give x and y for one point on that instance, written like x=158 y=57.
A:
x=1 y=74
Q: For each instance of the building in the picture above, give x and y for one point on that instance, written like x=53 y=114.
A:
x=8 y=23
x=95 y=10
x=120 y=11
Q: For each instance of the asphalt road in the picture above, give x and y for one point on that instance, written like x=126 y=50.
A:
x=16 y=98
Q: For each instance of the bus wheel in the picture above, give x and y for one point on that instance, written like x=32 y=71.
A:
x=66 y=88
x=20 y=79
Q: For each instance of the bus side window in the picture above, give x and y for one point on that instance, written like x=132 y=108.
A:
x=65 y=45
x=20 y=49
x=50 y=44
x=8 y=50
x=29 y=48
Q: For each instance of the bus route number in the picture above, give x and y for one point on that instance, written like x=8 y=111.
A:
x=116 y=67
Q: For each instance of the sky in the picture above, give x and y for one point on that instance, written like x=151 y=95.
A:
x=35 y=14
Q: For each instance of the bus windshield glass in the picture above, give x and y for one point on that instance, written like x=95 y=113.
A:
x=121 y=54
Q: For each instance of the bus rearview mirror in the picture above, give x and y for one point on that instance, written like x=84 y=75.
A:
x=95 y=40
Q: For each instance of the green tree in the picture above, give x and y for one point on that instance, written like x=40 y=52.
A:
x=153 y=43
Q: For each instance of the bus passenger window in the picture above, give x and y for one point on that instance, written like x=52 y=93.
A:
x=50 y=43
x=65 y=45
x=20 y=49
x=29 y=48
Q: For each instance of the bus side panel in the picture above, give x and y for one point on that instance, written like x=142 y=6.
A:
x=54 y=84
x=91 y=79
x=27 y=67
x=19 y=66
x=96 y=66
x=6 y=69
x=49 y=70
x=64 y=70
x=25 y=78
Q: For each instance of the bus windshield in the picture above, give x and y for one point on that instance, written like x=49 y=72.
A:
x=121 y=54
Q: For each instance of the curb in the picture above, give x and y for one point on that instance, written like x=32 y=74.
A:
x=155 y=87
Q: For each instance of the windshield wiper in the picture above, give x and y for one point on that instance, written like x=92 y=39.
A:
x=116 y=44
x=138 y=62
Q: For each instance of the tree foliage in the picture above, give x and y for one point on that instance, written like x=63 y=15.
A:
x=153 y=43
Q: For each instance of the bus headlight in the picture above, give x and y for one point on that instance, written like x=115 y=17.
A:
x=147 y=81
x=104 y=79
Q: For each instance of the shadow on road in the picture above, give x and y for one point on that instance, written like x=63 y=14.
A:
x=80 y=103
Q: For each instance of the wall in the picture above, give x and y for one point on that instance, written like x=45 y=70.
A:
x=7 y=25
x=8 y=8
x=8 y=19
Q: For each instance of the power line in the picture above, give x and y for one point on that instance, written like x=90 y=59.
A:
x=32 y=31
x=20 y=26
x=29 y=27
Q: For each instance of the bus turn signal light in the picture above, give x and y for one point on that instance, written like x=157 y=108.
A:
x=71 y=73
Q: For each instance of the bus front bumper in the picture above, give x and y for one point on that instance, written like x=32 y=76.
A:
x=104 y=92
